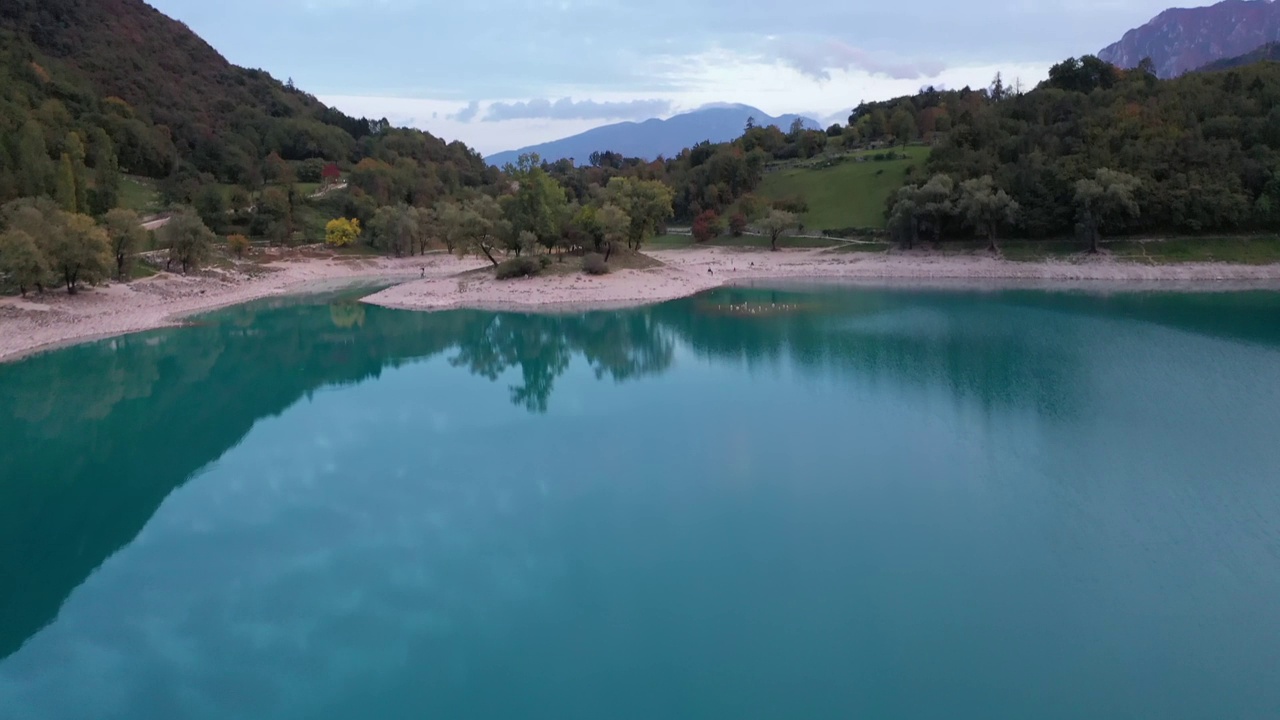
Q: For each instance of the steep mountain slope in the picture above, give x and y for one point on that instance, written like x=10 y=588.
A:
x=1270 y=51
x=654 y=137
x=1180 y=40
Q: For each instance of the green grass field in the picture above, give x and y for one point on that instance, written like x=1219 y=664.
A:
x=139 y=195
x=1240 y=250
x=851 y=194
x=1245 y=250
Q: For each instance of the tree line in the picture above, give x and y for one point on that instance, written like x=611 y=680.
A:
x=43 y=245
x=530 y=211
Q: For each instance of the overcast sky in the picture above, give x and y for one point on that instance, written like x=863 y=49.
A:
x=499 y=74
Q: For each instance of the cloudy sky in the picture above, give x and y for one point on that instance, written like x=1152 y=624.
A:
x=500 y=74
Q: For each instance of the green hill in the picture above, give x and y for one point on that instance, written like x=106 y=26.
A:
x=850 y=193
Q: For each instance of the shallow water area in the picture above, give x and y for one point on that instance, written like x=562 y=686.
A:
x=751 y=503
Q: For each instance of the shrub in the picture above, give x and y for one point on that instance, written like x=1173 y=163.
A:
x=544 y=261
x=795 y=204
x=517 y=268
x=594 y=264
x=706 y=226
x=237 y=244
x=854 y=232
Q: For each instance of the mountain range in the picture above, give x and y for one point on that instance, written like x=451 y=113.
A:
x=654 y=137
x=1180 y=40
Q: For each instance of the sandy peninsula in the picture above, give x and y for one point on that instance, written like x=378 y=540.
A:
x=439 y=281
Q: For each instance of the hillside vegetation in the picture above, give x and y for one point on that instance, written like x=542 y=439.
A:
x=1097 y=150
x=1267 y=53
x=146 y=96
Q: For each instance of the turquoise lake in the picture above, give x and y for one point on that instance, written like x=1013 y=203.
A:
x=807 y=503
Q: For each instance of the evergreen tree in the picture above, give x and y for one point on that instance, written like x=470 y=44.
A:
x=105 y=194
x=34 y=169
x=74 y=149
x=65 y=192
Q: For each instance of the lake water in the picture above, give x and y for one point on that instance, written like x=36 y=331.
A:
x=748 y=504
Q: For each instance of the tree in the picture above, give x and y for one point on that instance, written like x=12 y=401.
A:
x=426 y=220
x=997 y=90
x=850 y=137
x=77 y=249
x=395 y=229
x=21 y=261
x=904 y=217
x=986 y=206
x=706 y=226
x=646 y=202
x=239 y=200
x=737 y=224
x=341 y=232
x=614 y=225
x=836 y=130
x=211 y=203
x=449 y=226
x=238 y=245
x=935 y=204
x=483 y=224
x=752 y=207
x=903 y=126
x=106 y=175
x=586 y=225
x=523 y=241
x=274 y=217
x=187 y=238
x=65 y=190
x=1104 y=202
x=73 y=147
x=776 y=223
x=537 y=204
x=126 y=236
x=32 y=155
x=277 y=170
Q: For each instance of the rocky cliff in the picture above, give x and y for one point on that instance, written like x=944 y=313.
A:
x=1183 y=39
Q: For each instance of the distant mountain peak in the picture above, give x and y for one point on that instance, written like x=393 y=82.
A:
x=717 y=122
x=1180 y=40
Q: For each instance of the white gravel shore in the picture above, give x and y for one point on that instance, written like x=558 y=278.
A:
x=435 y=282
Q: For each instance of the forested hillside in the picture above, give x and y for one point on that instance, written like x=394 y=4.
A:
x=1270 y=51
x=133 y=83
x=1096 y=149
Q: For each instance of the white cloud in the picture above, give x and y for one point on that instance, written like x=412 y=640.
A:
x=568 y=109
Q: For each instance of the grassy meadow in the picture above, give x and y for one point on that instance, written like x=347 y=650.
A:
x=848 y=194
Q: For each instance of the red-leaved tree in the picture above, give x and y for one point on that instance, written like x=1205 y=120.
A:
x=706 y=226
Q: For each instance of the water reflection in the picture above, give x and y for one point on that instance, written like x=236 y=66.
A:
x=150 y=410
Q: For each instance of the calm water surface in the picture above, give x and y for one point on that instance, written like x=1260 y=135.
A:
x=750 y=504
